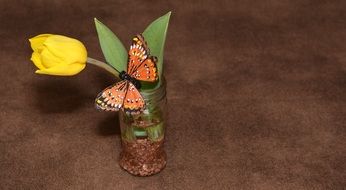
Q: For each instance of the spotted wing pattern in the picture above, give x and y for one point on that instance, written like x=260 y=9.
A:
x=140 y=65
x=133 y=102
x=147 y=70
x=112 y=98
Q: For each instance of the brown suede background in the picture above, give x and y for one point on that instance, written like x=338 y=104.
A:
x=256 y=89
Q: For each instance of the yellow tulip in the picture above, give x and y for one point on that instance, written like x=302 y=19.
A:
x=58 y=55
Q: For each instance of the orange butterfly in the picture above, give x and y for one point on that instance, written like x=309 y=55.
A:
x=124 y=94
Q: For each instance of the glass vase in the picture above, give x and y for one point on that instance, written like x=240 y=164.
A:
x=142 y=135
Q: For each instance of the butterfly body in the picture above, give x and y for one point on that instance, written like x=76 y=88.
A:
x=124 y=76
x=124 y=94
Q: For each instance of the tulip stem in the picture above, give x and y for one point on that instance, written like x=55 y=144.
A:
x=103 y=65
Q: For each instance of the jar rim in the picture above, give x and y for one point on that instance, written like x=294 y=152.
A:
x=155 y=94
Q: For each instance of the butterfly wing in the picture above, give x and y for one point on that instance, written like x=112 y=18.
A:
x=137 y=54
x=140 y=65
x=112 y=98
x=133 y=102
x=147 y=70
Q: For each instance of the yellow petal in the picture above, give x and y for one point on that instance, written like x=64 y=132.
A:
x=35 y=58
x=68 y=49
x=37 y=41
x=63 y=69
x=48 y=59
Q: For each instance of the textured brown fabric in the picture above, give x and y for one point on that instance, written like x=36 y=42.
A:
x=256 y=89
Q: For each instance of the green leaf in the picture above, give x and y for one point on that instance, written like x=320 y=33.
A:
x=112 y=48
x=155 y=35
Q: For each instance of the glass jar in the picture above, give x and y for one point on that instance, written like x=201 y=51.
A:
x=142 y=135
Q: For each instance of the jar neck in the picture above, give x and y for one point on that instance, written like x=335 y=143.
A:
x=155 y=95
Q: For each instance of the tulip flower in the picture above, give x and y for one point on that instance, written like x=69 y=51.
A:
x=58 y=55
